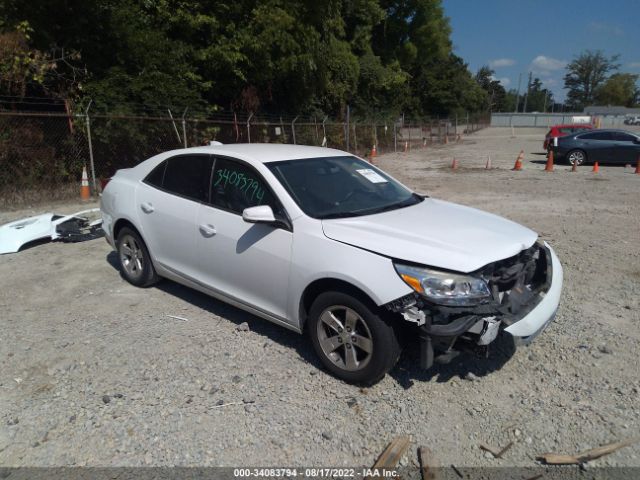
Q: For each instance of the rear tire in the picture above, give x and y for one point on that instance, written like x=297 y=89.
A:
x=135 y=262
x=352 y=340
x=579 y=157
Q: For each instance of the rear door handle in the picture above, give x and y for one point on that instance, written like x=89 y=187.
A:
x=207 y=230
x=147 y=207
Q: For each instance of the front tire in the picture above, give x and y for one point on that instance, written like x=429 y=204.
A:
x=136 y=266
x=576 y=156
x=352 y=340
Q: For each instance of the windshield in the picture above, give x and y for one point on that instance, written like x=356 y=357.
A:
x=338 y=187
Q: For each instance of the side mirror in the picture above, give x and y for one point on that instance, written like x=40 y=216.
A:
x=259 y=214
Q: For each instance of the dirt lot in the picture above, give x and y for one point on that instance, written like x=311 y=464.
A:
x=94 y=372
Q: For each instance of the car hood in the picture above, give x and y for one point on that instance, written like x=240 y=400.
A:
x=434 y=233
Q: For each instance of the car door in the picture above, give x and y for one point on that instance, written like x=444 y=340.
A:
x=249 y=263
x=169 y=199
x=598 y=145
x=626 y=148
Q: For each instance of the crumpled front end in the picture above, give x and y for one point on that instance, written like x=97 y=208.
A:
x=525 y=294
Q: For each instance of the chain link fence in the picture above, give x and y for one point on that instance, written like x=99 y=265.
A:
x=46 y=153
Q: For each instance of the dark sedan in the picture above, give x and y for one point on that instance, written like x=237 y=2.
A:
x=603 y=146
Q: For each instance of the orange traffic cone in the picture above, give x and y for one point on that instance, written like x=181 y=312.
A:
x=596 y=168
x=549 y=166
x=574 y=167
x=374 y=152
x=518 y=165
x=638 y=166
x=488 y=164
x=84 y=185
x=454 y=164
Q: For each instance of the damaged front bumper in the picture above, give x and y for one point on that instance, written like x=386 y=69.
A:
x=526 y=293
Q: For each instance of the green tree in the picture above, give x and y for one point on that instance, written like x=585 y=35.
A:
x=539 y=99
x=271 y=56
x=496 y=93
x=585 y=74
x=416 y=34
x=25 y=69
x=619 y=89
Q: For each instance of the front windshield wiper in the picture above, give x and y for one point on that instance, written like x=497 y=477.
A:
x=394 y=206
x=359 y=213
x=339 y=215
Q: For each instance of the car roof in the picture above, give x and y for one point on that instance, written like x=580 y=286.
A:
x=266 y=152
x=614 y=130
x=573 y=125
x=253 y=153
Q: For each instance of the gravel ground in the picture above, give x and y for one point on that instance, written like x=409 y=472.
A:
x=94 y=372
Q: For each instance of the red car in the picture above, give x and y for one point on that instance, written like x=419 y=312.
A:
x=562 y=130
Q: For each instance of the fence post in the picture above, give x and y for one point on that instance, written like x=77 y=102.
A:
x=324 y=132
x=184 y=128
x=355 y=138
x=284 y=134
x=91 y=163
x=467 y=126
x=315 y=124
x=173 y=122
x=249 y=128
x=293 y=129
x=395 y=136
x=375 y=135
x=348 y=126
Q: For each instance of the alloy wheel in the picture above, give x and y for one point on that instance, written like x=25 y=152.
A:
x=131 y=256
x=576 y=157
x=345 y=338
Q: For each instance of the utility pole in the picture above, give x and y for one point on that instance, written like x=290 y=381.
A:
x=518 y=92
x=526 y=97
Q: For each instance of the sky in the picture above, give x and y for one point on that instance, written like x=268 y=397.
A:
x=518 y=36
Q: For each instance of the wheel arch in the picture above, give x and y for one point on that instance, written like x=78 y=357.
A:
x=124 y=222
x=323 y=285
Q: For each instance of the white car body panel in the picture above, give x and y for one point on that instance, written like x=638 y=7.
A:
x=265 y=270
x=316 y=258
x=248 y=261
x=441 y=234
x=169 y=229
x=536 y=320
x=16 y=234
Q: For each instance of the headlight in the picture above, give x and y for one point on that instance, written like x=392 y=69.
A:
x=445 y=288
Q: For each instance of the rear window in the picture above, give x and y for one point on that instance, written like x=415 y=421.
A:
x=184 y=175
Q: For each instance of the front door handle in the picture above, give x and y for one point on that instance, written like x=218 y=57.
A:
x=147 y=207
x=207 y=230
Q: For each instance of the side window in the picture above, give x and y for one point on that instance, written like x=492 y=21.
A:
x=623 y=137
x=596 y=136
x=235 y=186
x=188 y=176
x=156 y=176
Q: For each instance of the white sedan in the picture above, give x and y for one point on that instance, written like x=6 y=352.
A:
x=321 y=241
